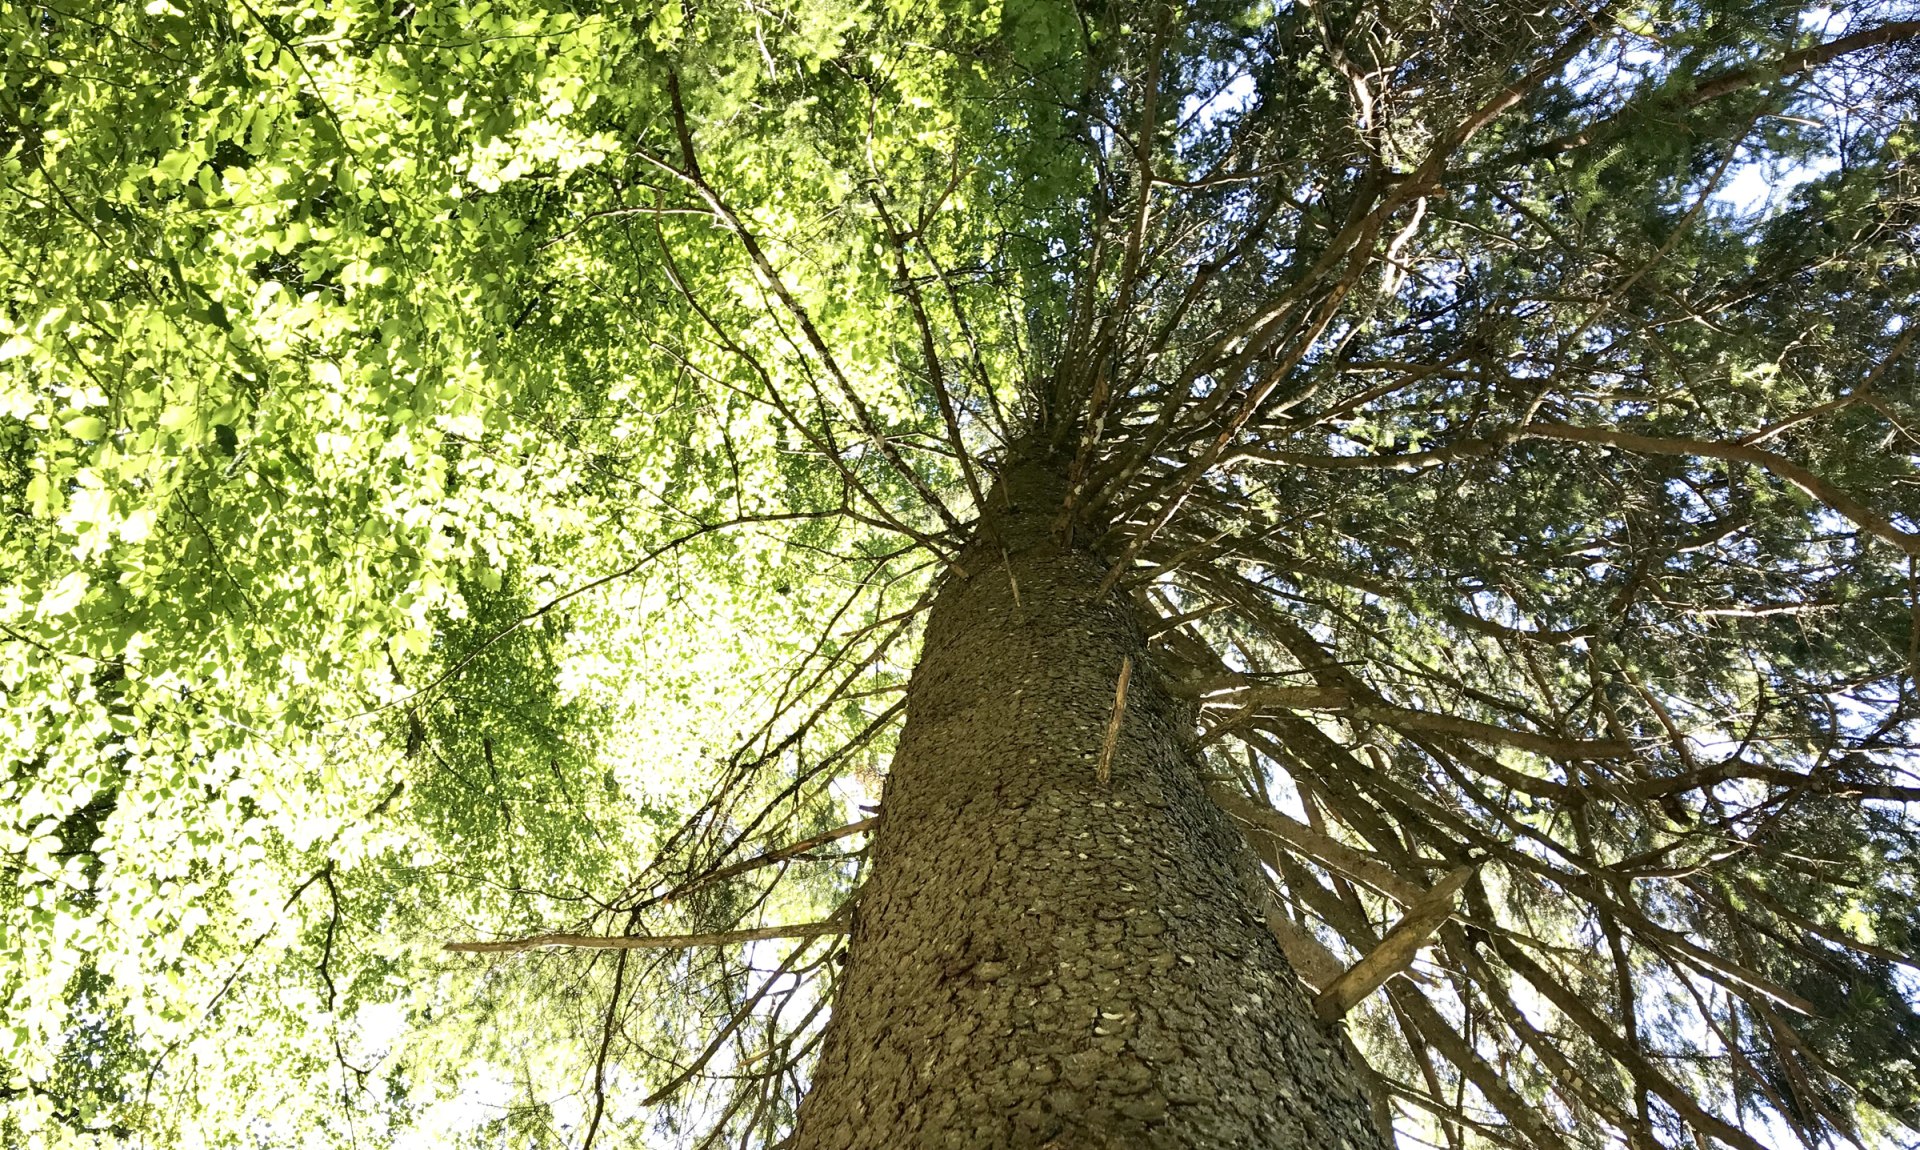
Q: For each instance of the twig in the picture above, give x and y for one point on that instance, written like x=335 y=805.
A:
x=779 y=854
x=648 y=942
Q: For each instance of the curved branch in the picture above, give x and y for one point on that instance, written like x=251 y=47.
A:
x=1771 y=462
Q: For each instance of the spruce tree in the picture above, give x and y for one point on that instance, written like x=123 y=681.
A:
x=936 y=573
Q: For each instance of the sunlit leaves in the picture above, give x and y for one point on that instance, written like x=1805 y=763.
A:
x=310 y=398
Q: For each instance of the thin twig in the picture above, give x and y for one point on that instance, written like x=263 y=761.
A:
x=646 y=941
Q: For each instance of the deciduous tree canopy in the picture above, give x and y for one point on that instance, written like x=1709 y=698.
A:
x=475 y=472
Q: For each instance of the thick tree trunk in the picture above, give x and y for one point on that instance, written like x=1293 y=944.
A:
x=1041 y=960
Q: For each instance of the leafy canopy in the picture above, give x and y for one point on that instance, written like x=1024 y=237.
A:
x=474 y=471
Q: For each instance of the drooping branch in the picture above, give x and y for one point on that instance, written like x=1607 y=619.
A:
x=1779 y=68
x=1322 y=848
x=1772 y=462
x=1396 y=951
x=1805 y=59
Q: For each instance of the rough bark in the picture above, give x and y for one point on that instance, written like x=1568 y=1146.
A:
x=1040 y=960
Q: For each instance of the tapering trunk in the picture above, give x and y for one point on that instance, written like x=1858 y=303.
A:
x=1040 y=959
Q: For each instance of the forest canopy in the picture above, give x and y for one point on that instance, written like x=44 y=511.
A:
x=477 y=472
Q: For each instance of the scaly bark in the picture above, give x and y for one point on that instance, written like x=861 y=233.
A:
x=1040 y=960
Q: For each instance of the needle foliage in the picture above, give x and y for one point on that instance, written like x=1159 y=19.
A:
x=472 y=471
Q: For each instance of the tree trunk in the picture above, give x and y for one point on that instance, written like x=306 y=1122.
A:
x=1042 y=960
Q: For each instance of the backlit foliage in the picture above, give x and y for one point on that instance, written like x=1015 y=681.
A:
x=474 y=470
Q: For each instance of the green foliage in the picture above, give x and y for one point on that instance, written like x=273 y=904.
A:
x=453 y=454
x=334 y=363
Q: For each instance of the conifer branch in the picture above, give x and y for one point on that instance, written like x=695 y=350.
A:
x=647 y=942
x=1396 y=951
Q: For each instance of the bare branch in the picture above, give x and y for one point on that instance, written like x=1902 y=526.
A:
x=1396 y=951
x=834 y=925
